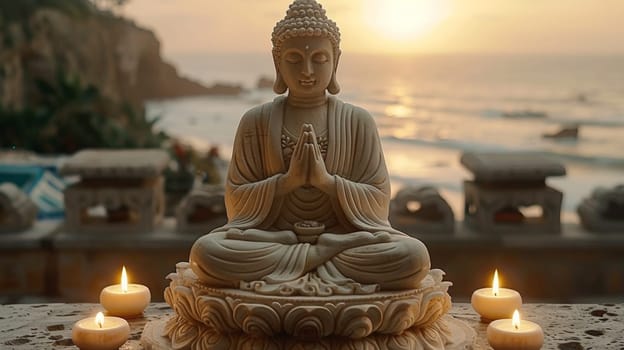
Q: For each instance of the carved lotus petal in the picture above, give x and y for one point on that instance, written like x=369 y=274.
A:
x=431 y=336
x=216 y=313
x=257 y=319
x=309 y=322
x=433 y=307
x=406 y=341
x=183 y=334
x=399 y=316
x=359 y=321
x=169 y=296
x=184 y=303
x=211 y=339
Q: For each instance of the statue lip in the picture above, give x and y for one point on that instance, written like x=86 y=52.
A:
x=307 y=82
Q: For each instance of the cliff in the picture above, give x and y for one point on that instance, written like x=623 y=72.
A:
x=110 y=53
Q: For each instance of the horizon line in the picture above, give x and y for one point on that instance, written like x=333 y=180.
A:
x=411 y=54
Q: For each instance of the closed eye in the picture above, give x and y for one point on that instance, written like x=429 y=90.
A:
x=293 y=57
x=320 y=57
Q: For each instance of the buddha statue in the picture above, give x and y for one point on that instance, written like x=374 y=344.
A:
x=307 y=251
x=308 y=157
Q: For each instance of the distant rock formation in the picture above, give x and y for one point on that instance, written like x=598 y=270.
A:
x=566 y=132
x=115 y=55
x=265 y=82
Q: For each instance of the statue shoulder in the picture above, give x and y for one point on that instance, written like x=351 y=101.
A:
x=362 y=116
x=257 y=114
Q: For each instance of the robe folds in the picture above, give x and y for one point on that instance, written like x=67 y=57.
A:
x=361 y=203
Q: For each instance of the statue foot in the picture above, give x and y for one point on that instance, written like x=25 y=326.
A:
x=340 y=242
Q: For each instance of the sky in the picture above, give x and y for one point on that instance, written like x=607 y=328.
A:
x=395 y=26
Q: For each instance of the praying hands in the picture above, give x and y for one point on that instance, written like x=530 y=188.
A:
x=307 y=167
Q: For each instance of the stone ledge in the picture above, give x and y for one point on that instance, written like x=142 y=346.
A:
x=566 y=326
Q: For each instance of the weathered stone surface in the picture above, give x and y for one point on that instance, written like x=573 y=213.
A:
x=566 y=326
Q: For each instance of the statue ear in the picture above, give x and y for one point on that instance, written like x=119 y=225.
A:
x=333 y=86
x=279 y=86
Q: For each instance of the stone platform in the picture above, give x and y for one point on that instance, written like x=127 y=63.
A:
x=221 y=318
x=566 y=326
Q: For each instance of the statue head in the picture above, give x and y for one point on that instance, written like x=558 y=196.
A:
x=305 y=19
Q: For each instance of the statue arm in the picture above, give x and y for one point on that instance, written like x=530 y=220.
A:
x=250 y=190
x=362 y=188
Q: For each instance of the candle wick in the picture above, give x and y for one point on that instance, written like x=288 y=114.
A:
x=99 y=324
x=495 y=294
x=516 y=326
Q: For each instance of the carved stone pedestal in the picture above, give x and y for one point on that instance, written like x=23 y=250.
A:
x=462 y=337
x=506 y=188
x=120 y=190
x=210 y=318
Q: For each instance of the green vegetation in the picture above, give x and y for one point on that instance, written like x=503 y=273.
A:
x=64 y=115
x=20 y=10
x=72 y=116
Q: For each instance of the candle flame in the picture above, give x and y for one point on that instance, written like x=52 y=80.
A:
x=99 y=319
x=515 y=320
x=124 y=280
x=495 y=283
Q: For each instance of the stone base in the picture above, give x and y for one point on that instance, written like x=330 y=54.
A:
x=458 y=336
x=224 y=318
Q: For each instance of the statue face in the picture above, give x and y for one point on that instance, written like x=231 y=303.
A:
x=306 y=65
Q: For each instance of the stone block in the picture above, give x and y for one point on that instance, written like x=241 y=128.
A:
x=603 y=211
x=421 y=210
x=17 y=211
x=202 y=210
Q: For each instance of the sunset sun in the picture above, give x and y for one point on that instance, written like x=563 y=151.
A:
x=404 y=19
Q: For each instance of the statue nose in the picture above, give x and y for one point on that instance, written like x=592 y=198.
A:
x=307 y=68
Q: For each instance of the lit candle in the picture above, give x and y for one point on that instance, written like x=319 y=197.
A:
x=495 y=303
x=125 y=300
x=511 y=334
x=100 y=333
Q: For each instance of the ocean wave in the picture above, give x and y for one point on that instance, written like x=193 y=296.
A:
x=472 y=146
x=616 y=122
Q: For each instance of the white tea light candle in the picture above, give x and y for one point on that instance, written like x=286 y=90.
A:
x=513 y=334
x=125 y=300
x=495 y=303
x=100 y=333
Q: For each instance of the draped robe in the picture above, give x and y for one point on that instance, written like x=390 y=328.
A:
x=361 y=203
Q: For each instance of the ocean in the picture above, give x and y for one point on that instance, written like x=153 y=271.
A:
x=430 y=109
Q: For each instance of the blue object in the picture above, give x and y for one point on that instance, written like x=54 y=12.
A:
x=42 y=184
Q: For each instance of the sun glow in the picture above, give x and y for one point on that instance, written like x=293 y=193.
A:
x=403 y=20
